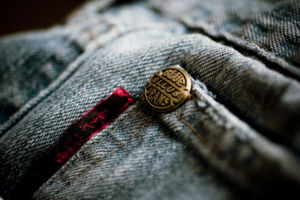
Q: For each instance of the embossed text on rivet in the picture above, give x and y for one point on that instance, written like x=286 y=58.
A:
x=168 y=89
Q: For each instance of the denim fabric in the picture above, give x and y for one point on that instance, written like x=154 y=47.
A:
x=233 y=148
x=135 y=158
x=239 y=140
x=269 y=28
x=29 y=63
x=268 y=100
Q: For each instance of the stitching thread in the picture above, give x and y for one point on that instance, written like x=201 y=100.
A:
x=101 y=158
x=203 y=139
x=92 y=38
x=191 y=127
x=85 y=150
x=214 y=149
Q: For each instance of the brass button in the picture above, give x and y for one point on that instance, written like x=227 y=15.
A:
x=167 y=89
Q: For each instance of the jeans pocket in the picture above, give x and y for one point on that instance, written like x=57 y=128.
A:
x=233 y=148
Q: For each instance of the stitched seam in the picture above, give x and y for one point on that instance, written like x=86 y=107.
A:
x=214 y=148
x=198 y=134
x=92 y=37
x=101 y=158
x=191 y=127
x=111 y=132
x=196 y=100
x=289 y=68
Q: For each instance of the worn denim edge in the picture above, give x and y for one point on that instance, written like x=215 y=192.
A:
x=286 y=66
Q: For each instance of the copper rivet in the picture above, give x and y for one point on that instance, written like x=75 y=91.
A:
x=167 y=89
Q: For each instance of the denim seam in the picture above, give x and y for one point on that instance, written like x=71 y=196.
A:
x=206 y=142
x=251 y=47
x=85 y=149
x=266 y=54
x=204 y=28
x=220 y=161
x=101 y=158
x=92 y=37
x=240 y=42
x=193 y=129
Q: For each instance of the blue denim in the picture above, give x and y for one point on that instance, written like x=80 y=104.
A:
x=237 y=137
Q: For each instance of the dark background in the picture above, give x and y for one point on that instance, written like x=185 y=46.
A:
x=22 y=15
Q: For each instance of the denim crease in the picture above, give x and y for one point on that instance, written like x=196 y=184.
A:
x=269 y=28
x=229 y=145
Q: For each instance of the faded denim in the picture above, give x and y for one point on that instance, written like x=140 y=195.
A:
x=237 y=137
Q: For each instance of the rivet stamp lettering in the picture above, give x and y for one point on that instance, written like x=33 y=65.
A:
x=167 y=89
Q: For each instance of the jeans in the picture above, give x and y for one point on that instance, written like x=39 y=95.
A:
x=237 y=137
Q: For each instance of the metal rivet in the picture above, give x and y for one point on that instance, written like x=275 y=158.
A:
x=167 y=89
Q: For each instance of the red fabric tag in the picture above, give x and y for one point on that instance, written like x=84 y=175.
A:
x=93 y=121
